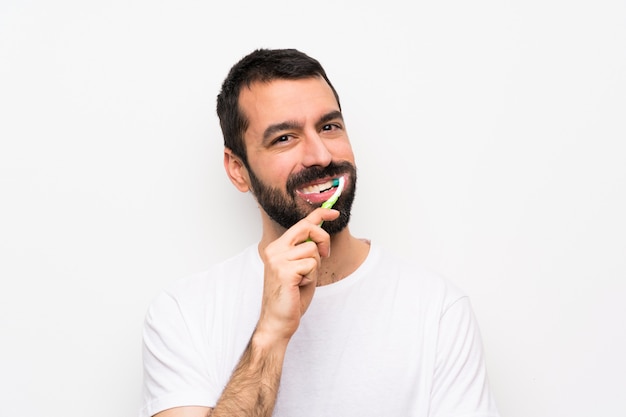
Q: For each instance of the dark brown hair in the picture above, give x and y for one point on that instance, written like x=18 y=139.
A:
x=262 y=65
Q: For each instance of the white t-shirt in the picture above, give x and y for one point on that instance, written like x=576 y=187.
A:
x=390 y=339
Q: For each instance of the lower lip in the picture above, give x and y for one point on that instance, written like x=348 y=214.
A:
x=317 y=198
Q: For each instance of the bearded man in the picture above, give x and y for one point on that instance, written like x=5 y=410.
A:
x=288 y=327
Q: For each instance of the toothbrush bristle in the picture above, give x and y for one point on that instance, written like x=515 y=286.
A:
x=333 y=199
x=340 y=184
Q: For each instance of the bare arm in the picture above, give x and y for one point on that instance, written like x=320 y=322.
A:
x=291 y=264
x=253 y=387
x=187 y=411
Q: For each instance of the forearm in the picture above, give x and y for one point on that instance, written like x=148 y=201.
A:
x=253 y=387
x=290 y=274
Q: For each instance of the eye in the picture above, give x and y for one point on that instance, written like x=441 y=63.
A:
x=330 y=127
x=281 y=139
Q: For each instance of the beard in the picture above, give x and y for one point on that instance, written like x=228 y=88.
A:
x=286 y=208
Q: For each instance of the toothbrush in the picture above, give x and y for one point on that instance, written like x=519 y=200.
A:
x=337 y=182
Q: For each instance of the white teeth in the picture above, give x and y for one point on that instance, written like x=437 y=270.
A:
x=317 y=188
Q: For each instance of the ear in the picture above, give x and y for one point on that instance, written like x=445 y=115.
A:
x=236 y=171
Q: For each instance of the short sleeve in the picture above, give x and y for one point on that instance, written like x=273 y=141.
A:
x=460 y=387
x=174 y=367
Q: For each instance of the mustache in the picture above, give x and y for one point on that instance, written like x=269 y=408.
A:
x=308 y=175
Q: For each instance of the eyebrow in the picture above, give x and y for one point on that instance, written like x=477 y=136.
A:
x=272 y=130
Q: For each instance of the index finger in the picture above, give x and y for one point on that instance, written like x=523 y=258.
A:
x=308 y=229
x=320 y=215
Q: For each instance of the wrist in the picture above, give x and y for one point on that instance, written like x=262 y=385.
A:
x=264 y=340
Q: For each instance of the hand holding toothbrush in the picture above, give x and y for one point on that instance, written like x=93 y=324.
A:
x=291 y=266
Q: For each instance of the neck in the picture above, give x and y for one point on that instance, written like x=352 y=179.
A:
x=347 y=253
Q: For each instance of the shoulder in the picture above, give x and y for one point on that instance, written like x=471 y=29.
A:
x=413 y=277
x=205 y=287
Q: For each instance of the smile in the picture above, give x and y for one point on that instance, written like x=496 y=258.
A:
x=317 y=188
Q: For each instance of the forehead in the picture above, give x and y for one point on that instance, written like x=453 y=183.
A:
x=265 y=103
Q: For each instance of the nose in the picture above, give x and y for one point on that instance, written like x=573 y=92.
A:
x=315 y=151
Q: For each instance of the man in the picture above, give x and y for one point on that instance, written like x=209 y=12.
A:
x=312 y=321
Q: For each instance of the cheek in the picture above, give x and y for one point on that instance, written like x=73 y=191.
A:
x=273 y=171
x=343 y=151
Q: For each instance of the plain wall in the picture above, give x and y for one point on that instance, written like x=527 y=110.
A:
x=490 y=141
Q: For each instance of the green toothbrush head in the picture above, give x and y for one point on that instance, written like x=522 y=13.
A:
x=339 y=183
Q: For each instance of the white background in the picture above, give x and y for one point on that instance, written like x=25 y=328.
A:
x=490 y=140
